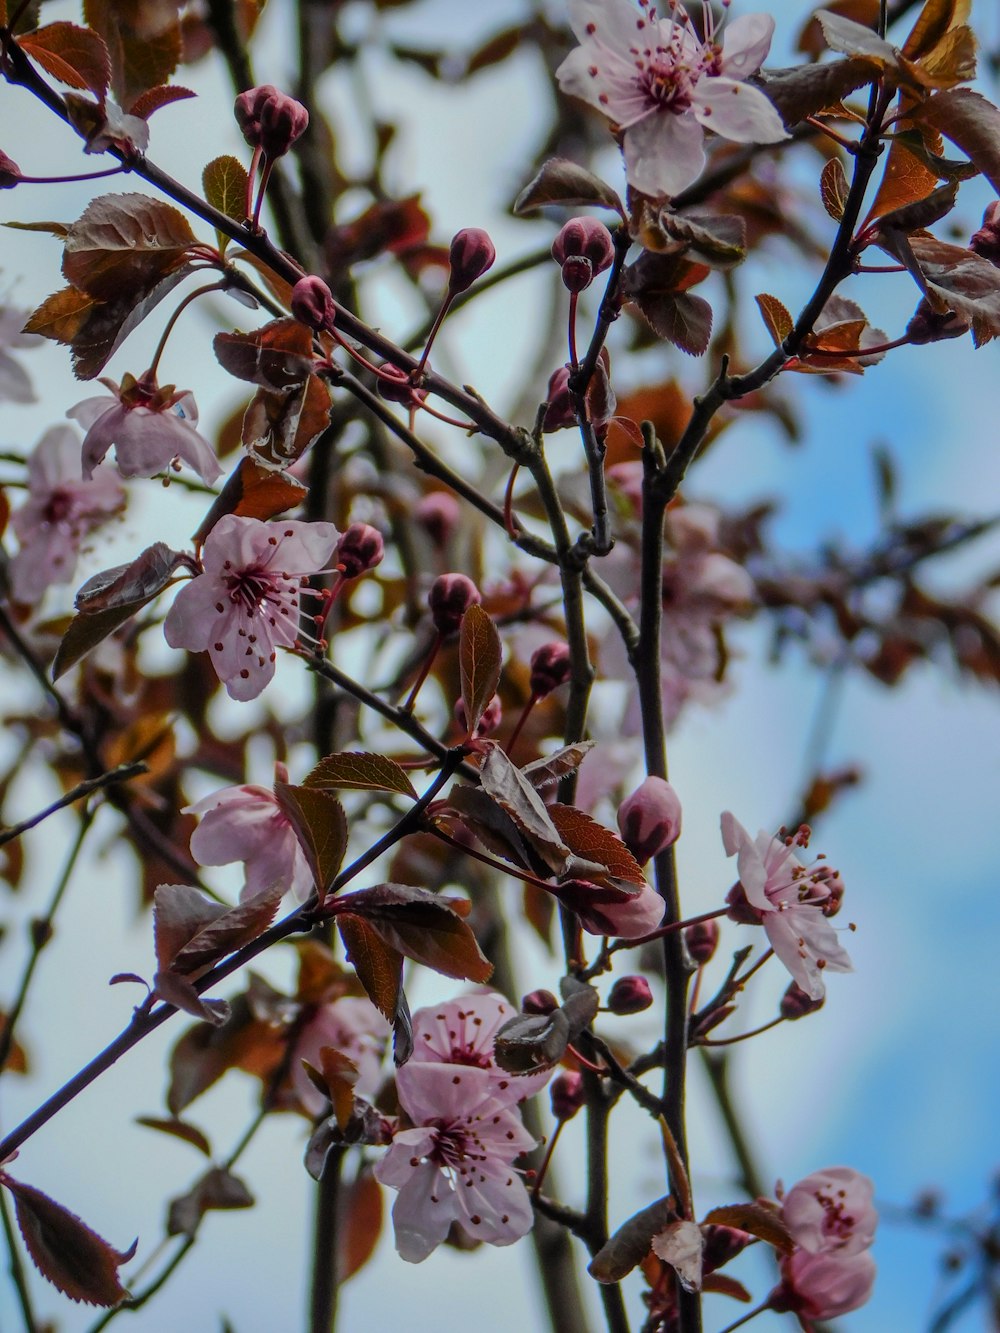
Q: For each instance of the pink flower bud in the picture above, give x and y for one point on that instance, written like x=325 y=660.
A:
x=986 y=241
x=928 y=326
x=270 y=119
x=438 y=514
x=559 y=412
x=650 y=819
x=10 y=172
x=721 y=1245
x=702 y=940
x=360 y=549
x=491 y=718
x=824 y=1285
x=584 y=238
x=567 y=1094
x=450 y=597
x=630 y=995
x=471 y=254
x=550 y=668
x=395 y=386
x=741 y=909
x=795 y=1003
x=313 y=304
x=577 y=273
x=539 y=1002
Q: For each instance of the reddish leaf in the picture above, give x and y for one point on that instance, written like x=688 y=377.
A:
x=379 y=966
x=563 y=182
x=217 y=1189
x=338 y=1075
x=87 y=630
x=65 y=1250
x=160 y=96
x=972 y=122
x=515 y=795
x=726 y=1286
x=834 y=189
x=421 y=926
x=357 y=771
x=206 y=1051
x=480 y=657
x=131 y=584
x=62 y=316
x=777 y=318
x=542 y=773
x=761 y=1219
x=144 y=43
x=277 y=356
x=806 y=89
x=252 y=491
x=321 y=828
x=178 y=1129
x=395 y=226
x=75 y=56
x=593 y=842
x=719 y=241
x=180 y=912
x=360 y=1212
x=125 y=241
x=905 y=180
x=279 y=426
x=679 y=317
x=191 y=931
x=630 y=1243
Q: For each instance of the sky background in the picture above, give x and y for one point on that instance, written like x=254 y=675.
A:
x=897 y=1076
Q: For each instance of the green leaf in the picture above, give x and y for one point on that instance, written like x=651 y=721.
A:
x=359 y=771
x=224 y=181
x=479 y=656
x=320 y=826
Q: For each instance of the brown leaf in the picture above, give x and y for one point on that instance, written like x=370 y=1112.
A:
x=206 y=1051
x=726 y=1286
x=339 y=1075
x=131 y=584
x=563 y=182
x=480 y=657
x=806 y=89
x=358 y=771
x=542 y=773
x=191 y=932
x=923 y=212
x=679 y=317
x=512 y=791
x=252 y=491
x=360 y=1213
x=62 y=316
x=75 y=56
x=277 y=356
x=279 y=426
x=719 y=241
x=217 y=1189
x=144 y=43
x=422 y=926
x=952 y=277
x=905 y=180
x=630 y=1243
x=599 y=846
x=178 y=1129
x=834 y=189
x=529 y=1042
x=125 y=241
x=155 y=98
x=379 y=966
x=321 y=828
x=777 y=318
x=972 y=122
x=761 y=1219
x=73 y=1258
x=932 y=26
x=224 y=182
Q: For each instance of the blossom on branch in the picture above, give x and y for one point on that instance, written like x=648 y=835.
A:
x=831 y=1211
x=60 y=511
x=246 y=604
x=354 y=1027
x=788 y=899
x=661 y=84
x=461 y=1032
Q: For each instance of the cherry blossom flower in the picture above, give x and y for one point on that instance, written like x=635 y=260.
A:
x=247 y=824
x=351 y=1025
x=147 y=426
x=662 y=85
x=455 y=1164
x=823 y=1286
x=15 y=386
x=831 y=1211
x=246 y=603
x=60 y=511
x=788 y=899
x=607 y=911
x=461 y=1032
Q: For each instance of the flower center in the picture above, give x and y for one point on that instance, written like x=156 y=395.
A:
x=59 y=507
x=252 y=587
x=455 y=1146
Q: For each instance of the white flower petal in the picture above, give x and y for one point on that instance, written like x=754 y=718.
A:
x=745 y=43
x=737 y=111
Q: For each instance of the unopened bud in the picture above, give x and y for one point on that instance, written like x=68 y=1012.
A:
x=795 y=1003
x=741 y=909
x=313 y=304
x=438 y=514
x=395 y=386
x=986 y=241
x=550 y=668
x=559 y=409
x=360 y=549
x=567 y=1093
x=630 y=995
x=539 y=1002
x=10 y=172
x=650 y=819
x=450 y=597
x=270 y=119
x=927 y=326
x=702 y=940
x=584 y=238
x=490 y=719
x=722 y=1244
x=577 y=273
x=472 y=253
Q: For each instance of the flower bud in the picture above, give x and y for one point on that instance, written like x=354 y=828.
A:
x=795 y=1003
x=10 y=172
x=584 y=238
x=567 y=1094
x=559 y=410
x=313 y=304
x=539 y=1002
x=450 y=597
x=360 y=549
x=986 y=241
x=741 y=909
x=270 y=119
x=577 y=273
x=927 y=326
x=395 y=386
x=721 y=1245
x=650 y=819
x=630 y=995
x=438 y=514
x=471 y=254
x=550 y=668
x=702 y=940
x=492 y=716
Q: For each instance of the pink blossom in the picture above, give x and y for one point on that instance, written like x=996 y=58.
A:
x=788 y=899
x=455 y=1164
x=461 y=1032
x=246 y=603
x=15 y=386
x=662 y=85
x=823 y=1286
x=606 y=911
x=247 y=824
x=351 y=1025
x=831 y=1211
x=60 y=511
x=148 y=428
